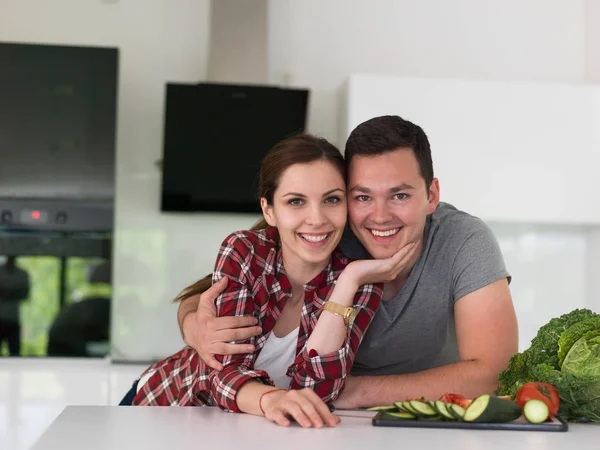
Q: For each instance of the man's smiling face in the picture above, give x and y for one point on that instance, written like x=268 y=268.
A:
x=388 y=201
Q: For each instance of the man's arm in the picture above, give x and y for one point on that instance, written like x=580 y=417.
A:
x=187 y=306
x=487 y=336
x=210 y=335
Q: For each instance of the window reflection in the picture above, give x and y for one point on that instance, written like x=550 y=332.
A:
x=55 y=306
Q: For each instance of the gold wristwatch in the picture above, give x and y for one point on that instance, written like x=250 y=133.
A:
x=347 y=312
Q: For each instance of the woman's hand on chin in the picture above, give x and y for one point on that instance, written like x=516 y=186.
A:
x=381 y=270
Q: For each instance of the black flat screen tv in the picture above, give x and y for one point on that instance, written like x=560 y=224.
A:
x=215 y=138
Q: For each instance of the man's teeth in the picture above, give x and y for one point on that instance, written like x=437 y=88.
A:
x=320 y=238
x=385 y=233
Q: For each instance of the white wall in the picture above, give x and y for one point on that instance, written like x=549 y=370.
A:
x=592 y=41
x=318 y=43
x=238 y=49
x=155 y=254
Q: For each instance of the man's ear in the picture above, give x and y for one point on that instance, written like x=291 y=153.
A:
x=267 y=212
x=434 y=195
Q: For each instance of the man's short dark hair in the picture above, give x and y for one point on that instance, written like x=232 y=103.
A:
x=386 y=134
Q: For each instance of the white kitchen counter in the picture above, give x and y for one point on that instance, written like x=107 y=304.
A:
x=165 y=428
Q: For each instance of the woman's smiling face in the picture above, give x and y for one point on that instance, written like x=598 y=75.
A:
x=309 y=210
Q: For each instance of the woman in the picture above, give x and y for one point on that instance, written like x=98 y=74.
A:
x=313 y=306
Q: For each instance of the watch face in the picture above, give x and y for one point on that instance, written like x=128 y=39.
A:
x=351 y=317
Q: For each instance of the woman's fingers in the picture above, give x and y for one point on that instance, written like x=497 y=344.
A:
x=303 y=406
x=294 y=409
x=279 y=418
x=322 y=409
x=314 y=408
x=311 y=413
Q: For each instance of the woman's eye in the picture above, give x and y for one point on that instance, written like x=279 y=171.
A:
x=295 y=202
x=362 y=198
x=333 y=199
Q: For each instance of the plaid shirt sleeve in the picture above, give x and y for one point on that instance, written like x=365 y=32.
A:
x=326 y=374
x=235 y=262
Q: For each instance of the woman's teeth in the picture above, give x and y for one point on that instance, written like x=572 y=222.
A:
x=314 y=238
x=385 y=233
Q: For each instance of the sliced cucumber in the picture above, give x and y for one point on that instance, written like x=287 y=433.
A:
x=432 y=404
x=382 y=408
x=440 y=407
x=406 y=407
x=400 y=415
x=399 y=406
x=490 y=409
x=458 y=412
x=536 y=411
x=423 y=409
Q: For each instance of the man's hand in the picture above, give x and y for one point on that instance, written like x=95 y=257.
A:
x=210 y=335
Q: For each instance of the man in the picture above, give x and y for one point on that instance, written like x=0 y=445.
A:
x=446 y=323
x=14 y=288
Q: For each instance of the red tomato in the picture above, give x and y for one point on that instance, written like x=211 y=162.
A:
x=457 y=399
x=539 y=391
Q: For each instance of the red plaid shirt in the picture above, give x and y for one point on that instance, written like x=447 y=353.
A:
x=258 y=286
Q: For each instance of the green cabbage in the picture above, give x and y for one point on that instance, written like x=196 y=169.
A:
x=573 y=333
x=584 y=356
x=566 y=354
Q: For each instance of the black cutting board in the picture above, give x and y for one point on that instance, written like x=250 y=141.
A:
x=384 y=420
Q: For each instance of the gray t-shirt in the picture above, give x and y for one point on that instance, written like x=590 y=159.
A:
x=415 y=330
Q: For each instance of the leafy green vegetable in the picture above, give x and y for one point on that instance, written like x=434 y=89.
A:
x=515 y=376
x=579 y=395
x=544 y=346
x=584 y=356
x=574 y=333
x=566 y=354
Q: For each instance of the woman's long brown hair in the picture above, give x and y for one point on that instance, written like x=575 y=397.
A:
x=299 y=149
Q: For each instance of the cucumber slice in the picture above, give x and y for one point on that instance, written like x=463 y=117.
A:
x=400 y=407
x=382 y=408
x=423 y=409
x=440 y=407
x=432 y=404
x=536 y=411
x=458 y=412
x=409 y=409
x=400 y=415
x=490 y=409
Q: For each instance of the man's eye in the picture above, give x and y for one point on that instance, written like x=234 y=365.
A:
x=333 y=199
x=362 y=198
x=295 y=202
x=401 y=196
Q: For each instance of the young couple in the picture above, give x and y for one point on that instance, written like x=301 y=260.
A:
x=445 y=321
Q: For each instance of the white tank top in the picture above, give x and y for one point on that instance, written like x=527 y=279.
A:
x=276 y=356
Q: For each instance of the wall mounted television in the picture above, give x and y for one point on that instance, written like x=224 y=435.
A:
x=215 y=138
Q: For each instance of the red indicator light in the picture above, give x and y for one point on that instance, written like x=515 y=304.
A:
x=35 y=215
